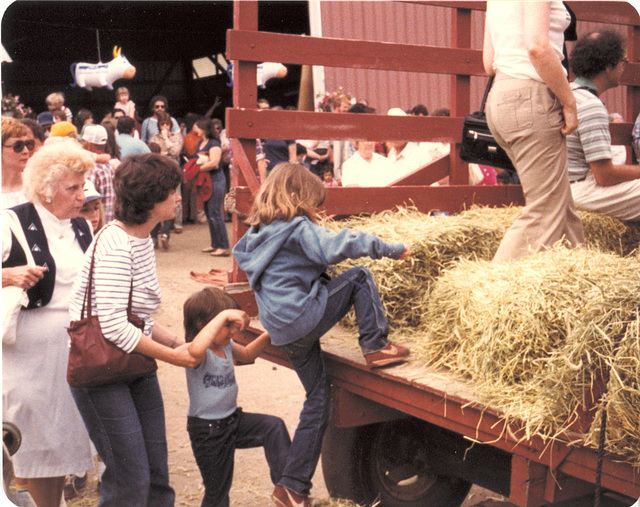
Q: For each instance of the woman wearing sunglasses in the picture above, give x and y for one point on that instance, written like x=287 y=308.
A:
x=16 y=148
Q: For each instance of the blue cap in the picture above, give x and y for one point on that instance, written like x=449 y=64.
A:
x=45 y=119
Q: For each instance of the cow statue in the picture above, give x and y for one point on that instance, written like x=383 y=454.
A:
x=88 y=75
x=265 y=71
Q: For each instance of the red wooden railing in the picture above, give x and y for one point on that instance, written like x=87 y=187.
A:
x=246 y=46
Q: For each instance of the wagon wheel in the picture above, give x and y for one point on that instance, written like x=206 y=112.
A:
x=389 y=462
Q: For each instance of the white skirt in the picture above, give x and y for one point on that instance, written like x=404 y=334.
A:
x=37 y=399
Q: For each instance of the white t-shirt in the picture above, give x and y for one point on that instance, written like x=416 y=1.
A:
x=505 y=23
x=357 y=171
x=11 y=199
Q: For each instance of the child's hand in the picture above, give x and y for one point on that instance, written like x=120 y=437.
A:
x=237 y=319
x=406 y=254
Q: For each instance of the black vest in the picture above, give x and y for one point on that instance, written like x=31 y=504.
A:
x=40 y=294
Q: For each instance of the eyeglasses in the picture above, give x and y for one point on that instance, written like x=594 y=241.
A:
x=18 y=146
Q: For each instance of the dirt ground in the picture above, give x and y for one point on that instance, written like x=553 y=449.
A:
x=263 y=387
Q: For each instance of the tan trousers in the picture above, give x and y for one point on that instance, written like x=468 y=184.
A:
x=525 y=118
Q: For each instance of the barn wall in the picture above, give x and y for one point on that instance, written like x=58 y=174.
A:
x=411 y=23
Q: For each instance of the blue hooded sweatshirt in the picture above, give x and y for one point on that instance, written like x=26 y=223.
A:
x=284 y=261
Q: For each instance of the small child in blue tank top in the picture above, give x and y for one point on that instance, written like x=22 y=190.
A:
x=216 y=425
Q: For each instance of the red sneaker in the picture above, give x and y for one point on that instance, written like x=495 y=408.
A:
x=284 y=497
x=391 y=354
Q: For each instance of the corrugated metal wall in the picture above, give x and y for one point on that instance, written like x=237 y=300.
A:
x=388 y=22
x=410 y=23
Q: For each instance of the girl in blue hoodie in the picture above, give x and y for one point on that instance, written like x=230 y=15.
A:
x=285 y=254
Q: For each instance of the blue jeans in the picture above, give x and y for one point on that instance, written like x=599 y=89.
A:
x=125 y=422
x=213 y=210
x=214 y=443
x=355 y=287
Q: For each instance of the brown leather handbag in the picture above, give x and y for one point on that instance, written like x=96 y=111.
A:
x=94 y=360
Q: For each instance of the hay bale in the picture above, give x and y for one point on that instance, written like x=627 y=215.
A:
x=622 y=401
x=535 y=334
x=440 y=242
x=608 y=234
x=437 y=243
x=532 y=334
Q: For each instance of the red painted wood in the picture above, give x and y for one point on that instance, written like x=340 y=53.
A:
x=622 y=13
x=296 y=49
x=615 y=12
x=245 y=170
x=271 y=124
x=245 y=17
x=348 y=201
x=426 y=175
x=527 y=482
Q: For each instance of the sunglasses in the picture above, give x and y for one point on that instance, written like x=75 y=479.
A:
x=18 y=146
x=158 y=106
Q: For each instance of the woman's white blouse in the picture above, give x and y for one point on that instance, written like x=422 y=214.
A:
x=505 y=23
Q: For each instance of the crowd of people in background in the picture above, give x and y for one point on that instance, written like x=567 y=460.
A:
x=202 y=140
x=123 y=132
x=362 y=163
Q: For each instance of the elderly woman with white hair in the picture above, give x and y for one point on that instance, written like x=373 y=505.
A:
x=35 y=394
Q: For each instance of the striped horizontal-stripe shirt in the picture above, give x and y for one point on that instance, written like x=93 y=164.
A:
x=591 y=141
x=119 y=259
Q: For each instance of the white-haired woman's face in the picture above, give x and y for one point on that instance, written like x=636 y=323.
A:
x=68 y=199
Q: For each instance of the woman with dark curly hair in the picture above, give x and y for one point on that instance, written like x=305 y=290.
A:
x=125 y=420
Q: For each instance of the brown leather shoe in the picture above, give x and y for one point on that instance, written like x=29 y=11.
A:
x=284 y=497
x=391 y=354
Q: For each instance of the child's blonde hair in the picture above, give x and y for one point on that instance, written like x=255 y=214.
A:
x=120 y=91
x=290 y=190
x=55 y=99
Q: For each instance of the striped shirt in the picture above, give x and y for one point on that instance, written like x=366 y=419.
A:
x=591 y=141
x=119 y=258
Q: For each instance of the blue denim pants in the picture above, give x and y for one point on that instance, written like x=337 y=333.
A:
x=213 y=210
x=214 y=443
x=355 y=287
x=125 y=422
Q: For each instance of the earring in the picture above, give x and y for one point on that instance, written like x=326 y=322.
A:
x=48 y=199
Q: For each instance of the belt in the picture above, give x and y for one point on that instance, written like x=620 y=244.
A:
x=219 y=424
x=580 y=179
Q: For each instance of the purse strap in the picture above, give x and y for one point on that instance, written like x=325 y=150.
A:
x=86 y=301
x=18 y=232
x=486 y=93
